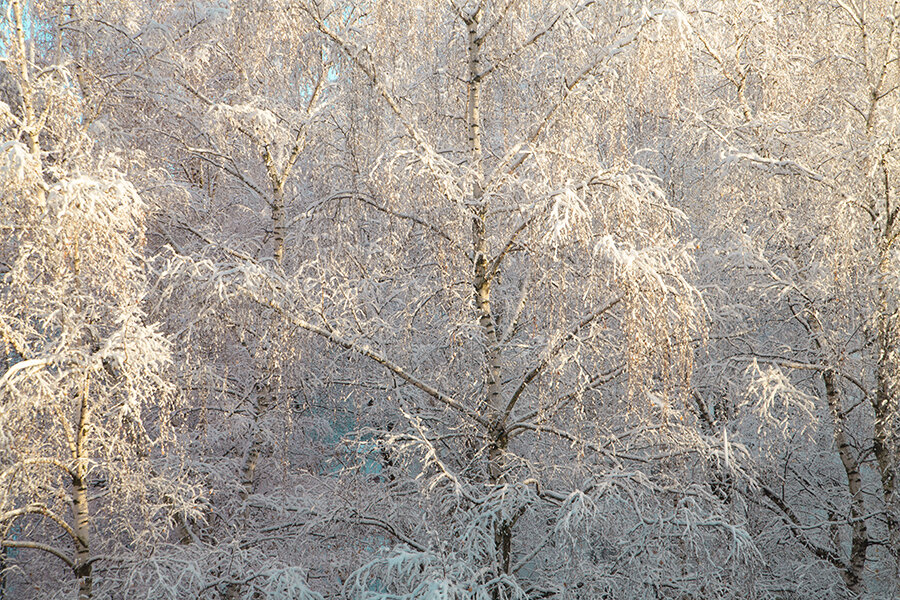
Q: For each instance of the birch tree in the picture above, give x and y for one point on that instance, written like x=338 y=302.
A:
x=84 y=393
x=230 y=97
x=438 y=281
x=520 y=285
x=804 y=171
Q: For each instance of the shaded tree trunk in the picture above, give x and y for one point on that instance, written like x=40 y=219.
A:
x=80 y=508
x=859 y=541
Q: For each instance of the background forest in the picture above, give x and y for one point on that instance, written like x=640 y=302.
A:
x=494 y=300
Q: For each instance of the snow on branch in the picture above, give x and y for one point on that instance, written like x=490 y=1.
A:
x=17 y=164
x=405 y=574
x=776 y=397
x=776 y=166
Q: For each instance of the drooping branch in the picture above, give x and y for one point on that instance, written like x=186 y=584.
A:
x=370 y=201
x=803 y=366
x=538 y=33
x=42 y=510
x=32 y=363
x=579 y=441
x=562 y=401
x=12 y=470
x=796 y=527
x=362 y=58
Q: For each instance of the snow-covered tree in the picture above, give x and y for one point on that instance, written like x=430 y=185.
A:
x=504 y=293
x=84 y=395
x=494 y=299
x=799 y=259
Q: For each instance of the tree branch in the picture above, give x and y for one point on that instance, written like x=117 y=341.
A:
x=553 y=352
x=366 y=351
x=795 y=526
x=515 y=156
x=38 y=546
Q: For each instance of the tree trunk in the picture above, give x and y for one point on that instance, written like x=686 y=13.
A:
x=264 y=395
x=852 y=573
x=81 y=515
x=884 y=439
x=80 y=509
x=859 y=541
x=263 y=401
x=496 y=436
x=278 y=221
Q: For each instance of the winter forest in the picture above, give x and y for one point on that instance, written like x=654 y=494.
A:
x=449 y=299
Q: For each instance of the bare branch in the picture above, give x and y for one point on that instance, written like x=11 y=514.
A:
x=550 y=353
x=39 y=546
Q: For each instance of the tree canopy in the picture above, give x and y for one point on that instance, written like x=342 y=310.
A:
x=500 y=300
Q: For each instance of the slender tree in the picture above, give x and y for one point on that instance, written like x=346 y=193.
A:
x=84 y=393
